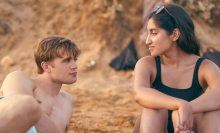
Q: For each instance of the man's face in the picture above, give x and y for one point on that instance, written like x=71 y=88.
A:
x=64 y=70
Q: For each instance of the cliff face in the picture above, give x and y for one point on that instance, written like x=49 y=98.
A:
x=207 y=10
x=102 y=28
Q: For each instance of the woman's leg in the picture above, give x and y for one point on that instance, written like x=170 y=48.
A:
x=208 y=122
x=18 y=113
x=137 y=124
x=151 y=121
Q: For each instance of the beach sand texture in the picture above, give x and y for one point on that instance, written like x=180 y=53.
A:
x=102 y=29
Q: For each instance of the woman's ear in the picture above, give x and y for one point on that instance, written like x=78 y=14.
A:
x=45 y=66
x=176 y=34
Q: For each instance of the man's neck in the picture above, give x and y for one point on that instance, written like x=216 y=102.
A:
x=45 y=82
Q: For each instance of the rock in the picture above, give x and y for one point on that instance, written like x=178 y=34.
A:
x=7 y=61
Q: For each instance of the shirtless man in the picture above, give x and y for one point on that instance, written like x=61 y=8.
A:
x=55 y=57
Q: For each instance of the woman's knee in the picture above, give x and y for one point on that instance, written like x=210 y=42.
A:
x=211 y=116
x=154 y=120
x=208 y=121
x=155 y=112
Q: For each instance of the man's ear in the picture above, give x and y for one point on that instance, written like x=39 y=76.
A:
x=45 y=66
x=176 y=34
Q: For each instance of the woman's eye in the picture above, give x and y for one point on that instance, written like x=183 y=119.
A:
x=154 y=33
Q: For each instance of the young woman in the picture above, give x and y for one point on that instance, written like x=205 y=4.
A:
x=171 y=84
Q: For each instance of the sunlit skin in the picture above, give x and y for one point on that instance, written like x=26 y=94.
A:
x=56 y=105
x=158 y=40
x=177 y=69
x=66 y=68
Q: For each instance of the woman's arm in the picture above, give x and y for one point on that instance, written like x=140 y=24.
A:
x=154 y=99
x=209 y=74
x=149 y=97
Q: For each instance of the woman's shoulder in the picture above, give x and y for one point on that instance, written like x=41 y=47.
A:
x=146 y=61
x=208 y=65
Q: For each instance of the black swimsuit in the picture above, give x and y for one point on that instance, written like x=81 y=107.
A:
x=187 y=94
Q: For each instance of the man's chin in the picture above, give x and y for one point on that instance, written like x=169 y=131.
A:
x=70 y=82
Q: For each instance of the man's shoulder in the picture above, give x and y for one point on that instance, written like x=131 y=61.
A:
x=67 y=96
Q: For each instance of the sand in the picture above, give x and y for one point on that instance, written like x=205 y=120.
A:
x=102 y=29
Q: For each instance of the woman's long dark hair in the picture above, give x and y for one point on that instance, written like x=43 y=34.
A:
x=181 y=20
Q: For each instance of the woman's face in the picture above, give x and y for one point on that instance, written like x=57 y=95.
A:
x=158 y=40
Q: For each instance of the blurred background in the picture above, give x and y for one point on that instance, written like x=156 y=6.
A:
x=102 y=29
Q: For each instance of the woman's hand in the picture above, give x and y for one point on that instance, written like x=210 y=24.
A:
x=185 y=116
x=176 y=121
x=178 y=128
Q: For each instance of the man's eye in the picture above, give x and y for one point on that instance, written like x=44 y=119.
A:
x=68 y=60
x=154 y=33
x=75 y=59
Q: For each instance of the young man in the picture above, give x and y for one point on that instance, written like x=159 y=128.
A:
x=55 y=57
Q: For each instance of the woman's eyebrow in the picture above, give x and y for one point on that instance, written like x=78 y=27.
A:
x=153 y=29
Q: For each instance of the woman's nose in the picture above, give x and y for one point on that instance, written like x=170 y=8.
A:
x=148 y=40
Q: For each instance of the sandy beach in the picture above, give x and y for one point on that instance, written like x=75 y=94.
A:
x=102 y=29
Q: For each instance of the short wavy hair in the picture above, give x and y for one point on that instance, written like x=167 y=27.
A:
x=51 y=47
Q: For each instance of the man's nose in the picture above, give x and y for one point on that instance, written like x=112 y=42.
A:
x=74 y=65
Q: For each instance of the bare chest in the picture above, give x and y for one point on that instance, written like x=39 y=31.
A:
x=57 y=109
x=61 y=114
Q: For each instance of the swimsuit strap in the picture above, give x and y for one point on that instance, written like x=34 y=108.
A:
x=157 y=80
x=195 y=74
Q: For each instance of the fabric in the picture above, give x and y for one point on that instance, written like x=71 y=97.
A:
x=127 y=59
x=32 y=130
x=188 y=94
